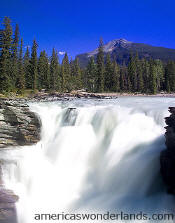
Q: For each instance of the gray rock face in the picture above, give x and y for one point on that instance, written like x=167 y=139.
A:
x=18 y=125
x=110 y=46
x=7 y=203
x=167 y=158
x=7 y=206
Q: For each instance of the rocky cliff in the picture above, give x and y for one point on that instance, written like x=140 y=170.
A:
x=167 y=158
x=18 y=127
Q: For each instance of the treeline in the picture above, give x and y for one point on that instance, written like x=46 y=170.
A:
x=140 y=75
x=21 y=70
x=24 y=70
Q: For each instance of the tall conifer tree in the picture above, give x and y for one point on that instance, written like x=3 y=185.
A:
x=170 y=76
x=140 y=83
x=108 y=74
x=33 y=66
x=100 y=68
x=66 y=74
x=6 y=83
x=153 y=85
x=54 y=71
x=132 y=73
x=91 y=74
x=21 y=75
x=43 y=71
x=122 y=79
x=15 y=46
x=77 y=74
x=116 y=77
x=28 y=78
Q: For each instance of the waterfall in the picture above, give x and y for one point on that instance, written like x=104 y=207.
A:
x=94 y=156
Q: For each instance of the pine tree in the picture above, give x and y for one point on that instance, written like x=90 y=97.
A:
x=100 y=68
x=91 y=73
x=116 y=77
x=140 y=83
x=138 y=74
x=77 y=74
x=28 y=78
x=1 y=40
x=170 y=76
x=66 y=74
x=108 y=74
x=21 y=75
x=54 y=71
x=43 y=71
x=146 y=75
x=122 y=79
x=132 y=73
x=72 y=67
x=6 y=83
x=167 y=79
x=15 y=67
x=153 y=84
x=159 y=74
x=73 y=80
x=33 y=66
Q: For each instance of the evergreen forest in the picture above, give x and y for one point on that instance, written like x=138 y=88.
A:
x=24 y=69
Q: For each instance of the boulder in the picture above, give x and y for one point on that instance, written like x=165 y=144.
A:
x=18 y=125
x=7 y=206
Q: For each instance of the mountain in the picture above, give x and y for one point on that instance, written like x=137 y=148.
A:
x=122 y=48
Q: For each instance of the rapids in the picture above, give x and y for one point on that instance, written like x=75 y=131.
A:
x=94 y=156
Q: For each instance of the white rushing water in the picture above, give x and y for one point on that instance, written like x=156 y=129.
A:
x=94 y=156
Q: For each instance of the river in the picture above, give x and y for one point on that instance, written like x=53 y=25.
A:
x=95 y=156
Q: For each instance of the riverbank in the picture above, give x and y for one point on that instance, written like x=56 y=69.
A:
x=57 y=96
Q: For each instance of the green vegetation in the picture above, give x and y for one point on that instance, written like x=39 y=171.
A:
x=122 y=53
x=26 y=73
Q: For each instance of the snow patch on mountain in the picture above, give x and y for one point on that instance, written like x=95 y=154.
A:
x=110 y=46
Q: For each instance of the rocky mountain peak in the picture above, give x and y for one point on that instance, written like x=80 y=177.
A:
x=122 y=42
x=110 y=46
x=122 y=48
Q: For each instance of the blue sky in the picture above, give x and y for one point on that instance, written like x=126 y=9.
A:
x=75 y=26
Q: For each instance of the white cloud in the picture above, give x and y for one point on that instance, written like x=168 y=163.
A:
x=27 y=46
x=62 y=52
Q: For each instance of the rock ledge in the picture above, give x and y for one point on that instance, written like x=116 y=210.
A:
x=18 y=125
x=167 y=158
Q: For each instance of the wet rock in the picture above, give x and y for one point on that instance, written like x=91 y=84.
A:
x=7 y=196
x=18 y=125
x=56 y=96
x=7 y=203
x=167 y=158
x=7 y=206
